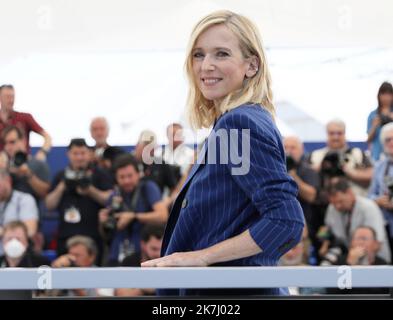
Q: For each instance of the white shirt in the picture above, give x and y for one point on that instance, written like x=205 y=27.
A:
x=182 y=156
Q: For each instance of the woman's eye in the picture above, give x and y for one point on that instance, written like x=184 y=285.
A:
x=222 y=54
x=198 y=55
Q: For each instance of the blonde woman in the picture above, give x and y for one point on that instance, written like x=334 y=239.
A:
x=238 y=206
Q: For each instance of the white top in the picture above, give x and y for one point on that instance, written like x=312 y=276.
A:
x=182 y=156
x=365 y=213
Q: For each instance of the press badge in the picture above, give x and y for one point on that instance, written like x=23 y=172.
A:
x=72 y=215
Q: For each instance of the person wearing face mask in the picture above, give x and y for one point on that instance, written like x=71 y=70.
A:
x=16 y=205
x=16 y=248
x=18 y=254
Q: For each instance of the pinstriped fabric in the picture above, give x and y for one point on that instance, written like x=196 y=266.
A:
x=221 y=204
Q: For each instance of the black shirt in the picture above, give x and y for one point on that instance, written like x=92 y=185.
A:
x=165 y=175
x=85 y=205
x=38 y=168
x=29 y=260
x=311 y=177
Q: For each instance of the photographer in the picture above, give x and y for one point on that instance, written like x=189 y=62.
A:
x=381 y=189
x=151 y=241
x=347 y=211
x=378 y=118
x=78 y=192
x=134 y=203
x=154 y=168
x=25 y=121
x=362 y=252
x=338 y=159
x=177 y=153
x=99 y=131
x=29 y=174
x=18 y=254
x=16 y=205
x=305 y=177
x=81 y=252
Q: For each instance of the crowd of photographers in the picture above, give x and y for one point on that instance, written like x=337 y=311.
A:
x=112 y=205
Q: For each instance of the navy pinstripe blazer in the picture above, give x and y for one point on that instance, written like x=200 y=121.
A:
x=221 y=200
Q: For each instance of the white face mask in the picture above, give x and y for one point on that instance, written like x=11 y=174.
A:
x=14 y=248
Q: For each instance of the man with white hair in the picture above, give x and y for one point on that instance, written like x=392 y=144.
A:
x=339 y=159
x=305 y=177
x=381 y=189
x=99 y=131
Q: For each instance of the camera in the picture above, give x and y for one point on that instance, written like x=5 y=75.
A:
x=19 y=159
x=332 y=164
x=325 y=234
x=77 y=178
x=389 y=185
x=291 y=163
x=385 y=119
x=115 y=206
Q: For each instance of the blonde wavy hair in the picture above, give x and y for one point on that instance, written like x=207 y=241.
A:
x=257 y=89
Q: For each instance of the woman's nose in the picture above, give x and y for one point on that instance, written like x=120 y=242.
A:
x=207 y=63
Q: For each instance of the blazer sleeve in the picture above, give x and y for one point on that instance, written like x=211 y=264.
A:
x=263 y=178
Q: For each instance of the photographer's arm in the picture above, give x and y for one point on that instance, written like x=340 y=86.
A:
x=53 y=198
x=39 y=186
x=307 y=192
x=158 y=215
x=361 y=176
x=373 y=130
x=42 y=153
x=98 y=195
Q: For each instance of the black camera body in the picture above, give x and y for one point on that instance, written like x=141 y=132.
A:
x=77 y=178
x=389 y=185
x=385 y=119
x=332 y=164
x=116 y=206
x=291 y=163
x=20 y=158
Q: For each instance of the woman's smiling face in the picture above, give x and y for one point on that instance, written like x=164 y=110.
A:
x=218 y=64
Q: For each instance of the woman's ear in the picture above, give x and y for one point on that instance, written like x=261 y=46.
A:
x=253 y=67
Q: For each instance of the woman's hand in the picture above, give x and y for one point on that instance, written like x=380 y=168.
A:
x=179 y=259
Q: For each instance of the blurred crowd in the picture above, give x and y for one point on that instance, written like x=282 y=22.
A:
x=111 y=205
